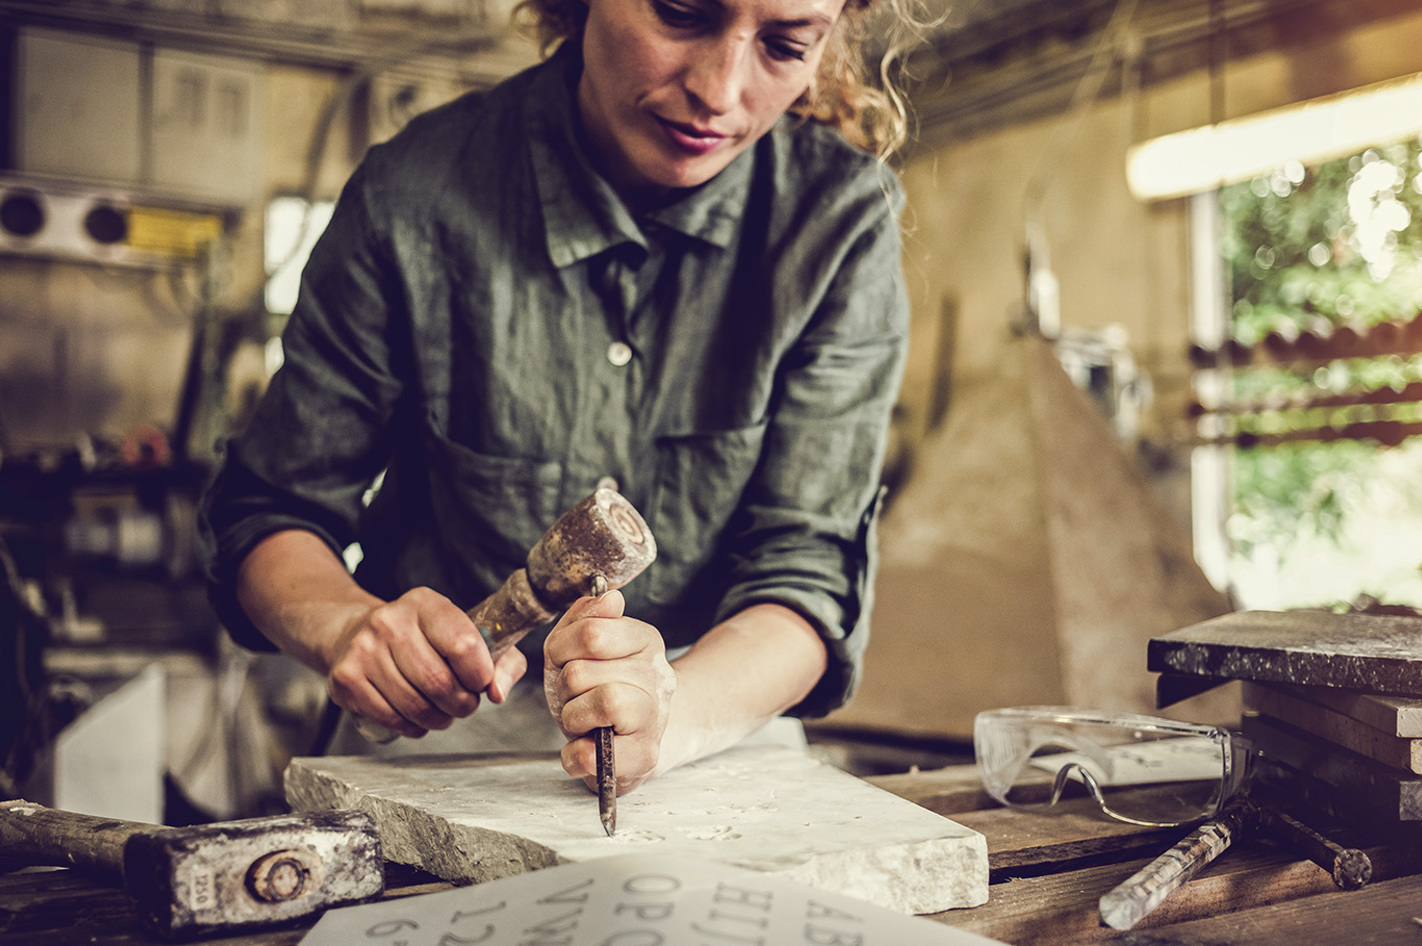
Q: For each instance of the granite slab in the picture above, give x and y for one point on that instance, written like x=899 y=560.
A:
x=1394 y=715
x=1368 y=652
x=766 y=808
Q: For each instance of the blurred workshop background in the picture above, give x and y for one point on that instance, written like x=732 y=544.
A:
x=1165 y=262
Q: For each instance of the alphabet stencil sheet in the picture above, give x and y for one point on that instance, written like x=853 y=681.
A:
x=633 y=900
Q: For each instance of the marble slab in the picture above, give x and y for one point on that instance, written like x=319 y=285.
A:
x=766 y=808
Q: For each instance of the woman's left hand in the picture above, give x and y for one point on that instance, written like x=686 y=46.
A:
x=604 y=669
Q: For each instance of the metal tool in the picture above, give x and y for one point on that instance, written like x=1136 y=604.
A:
x=1349 y=867
x=1126 y=904
x=211 y=878
x=606 y=766
x=602 y=536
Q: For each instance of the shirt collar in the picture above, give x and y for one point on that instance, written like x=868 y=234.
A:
x=582 y=215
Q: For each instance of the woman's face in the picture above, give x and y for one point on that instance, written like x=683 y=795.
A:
x=673 y=90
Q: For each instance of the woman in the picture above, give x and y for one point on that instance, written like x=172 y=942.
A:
x=626 y=262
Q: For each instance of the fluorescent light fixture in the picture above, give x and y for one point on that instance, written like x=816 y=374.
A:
x=1336 y=126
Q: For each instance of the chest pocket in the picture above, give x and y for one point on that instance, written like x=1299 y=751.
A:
x=700 y=481
x=489 y=510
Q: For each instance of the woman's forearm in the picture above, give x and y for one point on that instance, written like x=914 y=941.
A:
x=413 y=664
x=740 y=675
x=300 y=595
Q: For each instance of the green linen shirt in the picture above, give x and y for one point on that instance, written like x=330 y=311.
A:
x=485 y=322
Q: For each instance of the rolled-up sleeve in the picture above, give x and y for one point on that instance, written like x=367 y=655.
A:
x=319 y=435
x=805 y=535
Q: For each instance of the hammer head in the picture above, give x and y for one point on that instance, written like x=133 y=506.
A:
x=258 y=872
x=602 y=535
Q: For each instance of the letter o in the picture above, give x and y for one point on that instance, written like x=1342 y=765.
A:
x=651 y=883
x=634 y=938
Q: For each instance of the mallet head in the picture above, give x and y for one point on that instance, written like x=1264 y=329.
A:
x=602 y=535
x=237 y=875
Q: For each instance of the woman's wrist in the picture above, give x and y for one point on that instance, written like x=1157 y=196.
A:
x=297 y=593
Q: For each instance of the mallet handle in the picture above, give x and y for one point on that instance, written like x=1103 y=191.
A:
x=33 y=834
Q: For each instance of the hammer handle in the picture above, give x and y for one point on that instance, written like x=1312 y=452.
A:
x=509 y=613
x=33 y=835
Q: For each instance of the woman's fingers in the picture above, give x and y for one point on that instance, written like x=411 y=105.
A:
x=603 y=669
x=418 y=663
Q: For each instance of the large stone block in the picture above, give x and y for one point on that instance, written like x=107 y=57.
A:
x=765 y=808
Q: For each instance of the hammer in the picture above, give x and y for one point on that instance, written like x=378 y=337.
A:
x=223 y=877
x=600 y=544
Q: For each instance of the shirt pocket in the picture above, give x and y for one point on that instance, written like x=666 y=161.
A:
x=489 y=510
x=700 y=481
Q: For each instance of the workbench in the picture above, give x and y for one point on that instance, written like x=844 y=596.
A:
x=1047 y=874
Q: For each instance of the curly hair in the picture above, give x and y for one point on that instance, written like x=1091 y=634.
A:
x=874 y=118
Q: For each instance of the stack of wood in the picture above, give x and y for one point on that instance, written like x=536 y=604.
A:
x=1332 y=705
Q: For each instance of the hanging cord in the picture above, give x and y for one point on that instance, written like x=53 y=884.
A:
x=1086 y=92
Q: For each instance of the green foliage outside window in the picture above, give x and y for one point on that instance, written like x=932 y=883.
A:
x=1311 y=250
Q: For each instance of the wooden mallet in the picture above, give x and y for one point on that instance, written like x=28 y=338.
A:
x=223 y=877
x=602 y=539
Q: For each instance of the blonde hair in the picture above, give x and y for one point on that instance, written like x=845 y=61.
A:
x=874 y=118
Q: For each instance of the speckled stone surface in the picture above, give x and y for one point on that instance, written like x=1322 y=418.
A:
x=1369 y=652
x=765 y=808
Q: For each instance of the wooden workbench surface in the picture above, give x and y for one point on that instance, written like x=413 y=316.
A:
x=1047 y=873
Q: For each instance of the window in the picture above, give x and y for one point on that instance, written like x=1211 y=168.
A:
x=1307 y=320
x=1322 y=404
x=292 y=228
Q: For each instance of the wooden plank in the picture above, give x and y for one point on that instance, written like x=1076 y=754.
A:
x=1369 y=652
x=1395 y=795
x=1023 y=844
x=40 y=901
x=1335 y=727
x=1062 y=909
x=1018 y=843
x=1394 y=715
x=1380 y=914
x=947 y=791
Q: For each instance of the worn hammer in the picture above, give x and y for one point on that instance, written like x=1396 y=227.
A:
x=223 y=877
x=602 y=543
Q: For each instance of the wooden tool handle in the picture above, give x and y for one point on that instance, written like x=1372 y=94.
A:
x=503 y=619
x=35 y=835
x=509 y=613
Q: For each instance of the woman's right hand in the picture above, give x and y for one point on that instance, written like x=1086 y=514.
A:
x=417 y=663
x=411 y=665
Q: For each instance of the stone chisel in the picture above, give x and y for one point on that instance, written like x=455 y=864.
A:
x=600 y=544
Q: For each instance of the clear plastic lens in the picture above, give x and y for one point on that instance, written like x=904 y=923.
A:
x=1137 y=768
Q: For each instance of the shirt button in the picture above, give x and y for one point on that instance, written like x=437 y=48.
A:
x=619 y=353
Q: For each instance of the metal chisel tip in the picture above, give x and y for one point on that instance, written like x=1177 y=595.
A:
x=606 y=781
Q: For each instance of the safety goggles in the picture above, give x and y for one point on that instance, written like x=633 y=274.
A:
x=1139 y=769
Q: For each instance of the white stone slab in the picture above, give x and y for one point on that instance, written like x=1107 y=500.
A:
x=764 y=808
